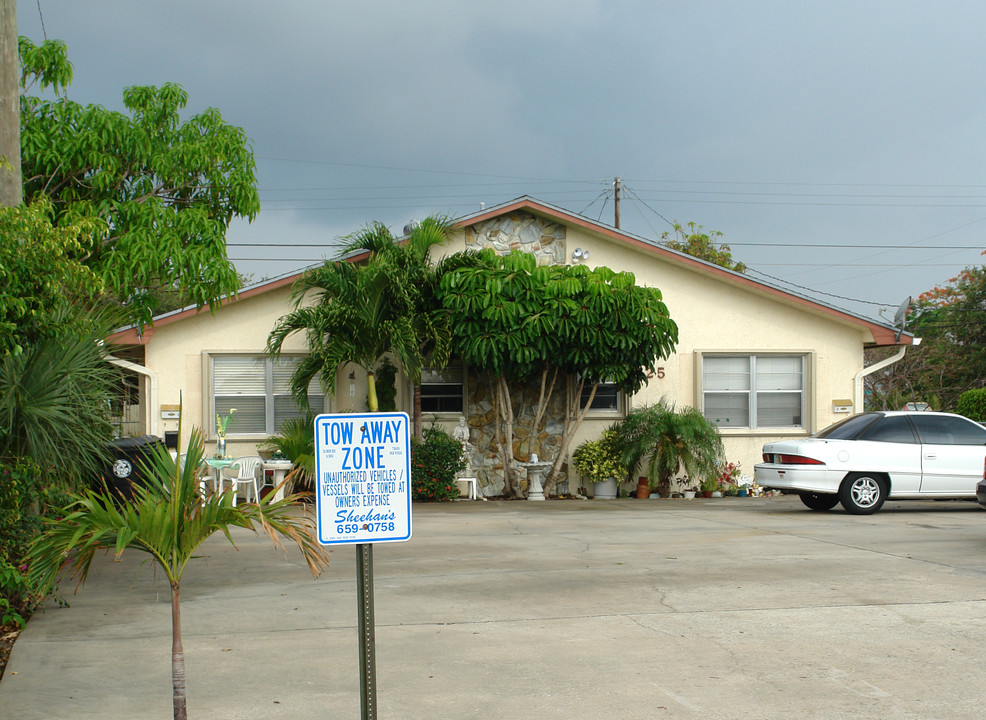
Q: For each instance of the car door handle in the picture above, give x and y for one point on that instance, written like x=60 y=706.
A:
x=930 y=456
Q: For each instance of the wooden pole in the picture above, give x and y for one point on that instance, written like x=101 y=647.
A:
x=11 y=192
x=616 y=203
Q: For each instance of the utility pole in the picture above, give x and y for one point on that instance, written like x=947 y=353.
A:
x=11 y=192
x=616 y=203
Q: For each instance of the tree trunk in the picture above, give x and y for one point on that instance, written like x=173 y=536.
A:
x=11 y=190
x=419 y=431
x=503 y=433
x=574 y=415
x=371 y=392
x=177 y=656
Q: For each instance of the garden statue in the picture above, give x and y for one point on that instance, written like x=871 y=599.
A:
x=461 y=433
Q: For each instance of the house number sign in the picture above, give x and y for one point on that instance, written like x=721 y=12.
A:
x=363 y=469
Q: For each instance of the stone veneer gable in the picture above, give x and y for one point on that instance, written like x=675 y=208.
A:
x=520 y=230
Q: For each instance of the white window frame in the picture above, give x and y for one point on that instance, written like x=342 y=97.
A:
x=621 y=402
x=751 y=422
x=269 y=394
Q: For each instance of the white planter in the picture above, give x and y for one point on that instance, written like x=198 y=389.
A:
x=716 y=493
x=689 y=494
x=605 y=490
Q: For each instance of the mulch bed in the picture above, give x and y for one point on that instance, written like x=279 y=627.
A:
x=8 y=634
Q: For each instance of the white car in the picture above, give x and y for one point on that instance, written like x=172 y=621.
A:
x=867 y=458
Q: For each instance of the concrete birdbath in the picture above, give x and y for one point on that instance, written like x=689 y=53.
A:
x=535 y=474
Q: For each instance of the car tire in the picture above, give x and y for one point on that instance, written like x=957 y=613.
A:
x=863 y=493
x=819 y=501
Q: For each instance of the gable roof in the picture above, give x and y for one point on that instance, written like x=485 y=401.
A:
x=883 y=334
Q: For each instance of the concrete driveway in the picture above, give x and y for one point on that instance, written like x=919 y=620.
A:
x=731 y=608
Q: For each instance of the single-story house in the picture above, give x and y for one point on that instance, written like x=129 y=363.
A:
x=762 y=362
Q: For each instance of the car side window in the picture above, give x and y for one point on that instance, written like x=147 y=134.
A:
x=944 y=430
x=893 y=429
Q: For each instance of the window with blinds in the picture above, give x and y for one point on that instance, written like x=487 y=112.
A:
x=260 y=390
x=754 y=391
x=443 y=391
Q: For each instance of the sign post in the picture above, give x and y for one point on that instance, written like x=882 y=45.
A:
x=363 y=496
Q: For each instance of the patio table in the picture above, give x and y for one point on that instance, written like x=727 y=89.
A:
x=216 y=466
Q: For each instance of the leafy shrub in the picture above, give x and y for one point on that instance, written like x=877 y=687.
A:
x=664 y=439
x=21 y=496
x=296 y=442
x=434 y=463
x=599 y=460
x=972 y=404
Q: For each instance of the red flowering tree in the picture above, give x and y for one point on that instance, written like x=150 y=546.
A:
x=950 y=319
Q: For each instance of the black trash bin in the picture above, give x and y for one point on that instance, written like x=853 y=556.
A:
x=124 y=467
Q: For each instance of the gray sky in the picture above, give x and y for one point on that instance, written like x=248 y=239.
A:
x=790 y=127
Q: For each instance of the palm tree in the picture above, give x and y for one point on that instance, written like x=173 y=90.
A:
x=168 y=520
x=408 y=264
x=296 y=441
x=53 y=399
x=666 y=440
x=363 y=311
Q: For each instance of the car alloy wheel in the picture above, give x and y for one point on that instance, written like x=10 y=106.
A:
x=862 y=493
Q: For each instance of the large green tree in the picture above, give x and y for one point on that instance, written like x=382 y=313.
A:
x=565 y=328
x=165 y=189
x=41 y=274
x=407 y=263
x=950 y=319
x=358 y=312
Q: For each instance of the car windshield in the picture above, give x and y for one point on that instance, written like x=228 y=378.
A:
x=849 y=428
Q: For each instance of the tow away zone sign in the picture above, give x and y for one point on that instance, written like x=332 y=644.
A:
x=363 y=469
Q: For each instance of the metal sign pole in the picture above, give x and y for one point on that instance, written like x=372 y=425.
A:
x=363 y=496
x=367 y=634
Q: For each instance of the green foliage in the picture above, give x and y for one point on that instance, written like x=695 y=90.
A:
x=164 y=189
x=666 y=439
x=972 y=404
x=41 y=273
x=168 y=520
x=951 y=359
x=363 y=311
x=516 y=320
x=18 y=525
x=513 y=317
x=386 y=386
x=693 y=240
x=296 y=442
x=434 y=464
x=599 y=460
x=53 y=402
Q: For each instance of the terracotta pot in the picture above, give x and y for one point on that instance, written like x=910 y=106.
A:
x=707 y=493
x=643 y=491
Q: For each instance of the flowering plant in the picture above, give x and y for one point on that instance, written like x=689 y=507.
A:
x=728 y=476
x=223 y=422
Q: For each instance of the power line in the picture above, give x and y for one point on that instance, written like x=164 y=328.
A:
x=818 y=292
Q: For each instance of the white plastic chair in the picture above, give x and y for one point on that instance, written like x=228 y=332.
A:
x=246 y=471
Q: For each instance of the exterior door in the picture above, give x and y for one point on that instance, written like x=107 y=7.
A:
x=953 y=452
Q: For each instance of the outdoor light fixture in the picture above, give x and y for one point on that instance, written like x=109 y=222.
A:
x=579 y=255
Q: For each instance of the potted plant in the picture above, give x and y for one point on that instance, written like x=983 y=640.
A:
x=663 y=440
x=598 y=461
x=709 y=486
x=728 y=479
